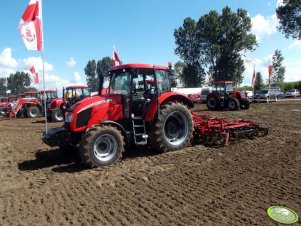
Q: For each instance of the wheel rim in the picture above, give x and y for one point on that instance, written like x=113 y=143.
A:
x=33 y=113
x=105 y=147
x=231 y=104
x=176 y=128
x=211 y=103
x=59 y=115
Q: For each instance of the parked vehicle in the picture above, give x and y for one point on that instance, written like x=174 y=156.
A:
x=292 y=93
x=247 y=94
x=280 y=94
x=265 y=95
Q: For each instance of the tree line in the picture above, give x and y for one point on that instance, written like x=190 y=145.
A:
x=214 y=46
x=16 y=83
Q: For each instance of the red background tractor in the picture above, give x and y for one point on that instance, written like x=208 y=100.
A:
x=224 y=97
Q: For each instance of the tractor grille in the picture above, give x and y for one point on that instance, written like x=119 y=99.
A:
x=83 y=118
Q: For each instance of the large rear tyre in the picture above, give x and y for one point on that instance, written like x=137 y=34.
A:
x=173 y=128
x=57 y=115
x=33 y=112
x=233 y=104
x=213 y=103
x=101 y=146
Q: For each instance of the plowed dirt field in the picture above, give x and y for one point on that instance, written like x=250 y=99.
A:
x=232 y=185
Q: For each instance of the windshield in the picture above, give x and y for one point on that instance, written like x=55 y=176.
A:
x=30 y=95
x=264 y=91
x=10 y=99
x=120 y=83
x=51 y=95
x=229 y=87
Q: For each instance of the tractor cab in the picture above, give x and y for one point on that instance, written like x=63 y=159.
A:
x=73 y=94
x=138 y=85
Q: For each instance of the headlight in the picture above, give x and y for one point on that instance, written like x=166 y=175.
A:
x=69 y=117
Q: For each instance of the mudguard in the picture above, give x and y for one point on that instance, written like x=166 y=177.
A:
x=164 y=98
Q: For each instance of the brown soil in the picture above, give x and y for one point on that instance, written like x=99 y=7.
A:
x=232 y=185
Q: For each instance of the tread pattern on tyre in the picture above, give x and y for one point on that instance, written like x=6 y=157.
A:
x=158 y=141
x=54 y=117
x=217 y=102
x=87 y=142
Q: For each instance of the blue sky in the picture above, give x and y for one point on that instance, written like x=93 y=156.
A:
x=142 y=31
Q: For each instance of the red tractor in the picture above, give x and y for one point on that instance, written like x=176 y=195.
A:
x=72 y=94
x=224 y=97
x=133 y=112
x=32 y=104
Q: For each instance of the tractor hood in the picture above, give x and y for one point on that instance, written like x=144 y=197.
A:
x=93 y=110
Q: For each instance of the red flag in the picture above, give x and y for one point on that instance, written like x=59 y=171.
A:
x=116 y=60
x=30 y=26
x=270 y=72
x=35 y=74
x=253 y=78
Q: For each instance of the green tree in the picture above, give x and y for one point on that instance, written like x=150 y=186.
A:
x=215 y=43
x=18 y=82
x=278 y=70
x=259 y=84
x=90 y=71
x=289 y=15
x=189 y=74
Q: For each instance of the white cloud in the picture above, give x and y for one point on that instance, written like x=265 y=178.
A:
x=264 y=26
x=295 y=45
x=77 y=77
x=26 y=63
x=71 y=62
x=7 y=63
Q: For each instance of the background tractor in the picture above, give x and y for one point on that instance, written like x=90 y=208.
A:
x=72 y=94
x=135 y=111
x=224 y=97
x=32 y=104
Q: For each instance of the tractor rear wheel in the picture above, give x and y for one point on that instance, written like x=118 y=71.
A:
x=101 y=146
x=32 y=112
x=244 y=104
x=173 y=128
x=233 y=104
x=57 y=115
x=213 y=102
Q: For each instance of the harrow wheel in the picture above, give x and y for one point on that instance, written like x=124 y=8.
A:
x=173 y=128
x=101 y=146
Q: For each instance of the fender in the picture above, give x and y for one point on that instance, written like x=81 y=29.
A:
x=123 y=130
x=164 y=98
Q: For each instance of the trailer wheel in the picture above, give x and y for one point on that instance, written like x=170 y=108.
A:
x=57 y=115
x=212 y=102
x=101 y=146
x=173 y=129
x=33 y=112
x=233 y=104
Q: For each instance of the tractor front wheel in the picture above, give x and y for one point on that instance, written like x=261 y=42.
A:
x=213 y=103
x=173 y=129
x=101 y=146
x=233 y=104
x=33 y=112
x=244 y=104
x=57 y=115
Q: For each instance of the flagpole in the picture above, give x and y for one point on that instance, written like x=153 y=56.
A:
x=254 y=82
x=43 y=62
